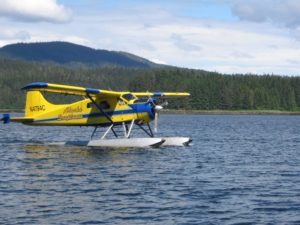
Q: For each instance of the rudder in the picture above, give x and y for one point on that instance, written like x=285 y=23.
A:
x=36 y=104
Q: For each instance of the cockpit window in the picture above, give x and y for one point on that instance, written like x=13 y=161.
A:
x=128 y=97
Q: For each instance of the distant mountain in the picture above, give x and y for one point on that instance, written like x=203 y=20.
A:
x=71 y=54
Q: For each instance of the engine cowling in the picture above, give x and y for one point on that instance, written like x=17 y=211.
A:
x=145 y=111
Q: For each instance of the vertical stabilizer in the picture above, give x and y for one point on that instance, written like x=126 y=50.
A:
x=36 y=104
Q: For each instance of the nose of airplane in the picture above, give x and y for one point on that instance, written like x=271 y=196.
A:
x=145 y=111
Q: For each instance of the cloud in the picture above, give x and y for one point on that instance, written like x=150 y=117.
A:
x=213 y=45
x=163 y=36
x=281 y=12
x=9 y=35
x=183 y=43
x=241 y=55
x=296 y=33
x=75 y=39
x=35 y=11
x=158 y=61
x=293 y=61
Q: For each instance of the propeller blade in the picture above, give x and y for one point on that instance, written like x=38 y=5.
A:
x=157 y=109
x=155 y=121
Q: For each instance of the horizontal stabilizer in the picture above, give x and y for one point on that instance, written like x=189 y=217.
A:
x=21 y=119
x=7 y=119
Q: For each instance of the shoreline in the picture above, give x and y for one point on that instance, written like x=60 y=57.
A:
x=203 y=112
x=232 y=112
x=11 y=111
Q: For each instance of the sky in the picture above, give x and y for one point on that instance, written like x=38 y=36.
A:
x=227 y=36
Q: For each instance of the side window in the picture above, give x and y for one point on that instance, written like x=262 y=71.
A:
x=89 y=105
x=103 y=105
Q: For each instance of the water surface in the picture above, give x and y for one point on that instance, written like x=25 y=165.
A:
x=240 y=170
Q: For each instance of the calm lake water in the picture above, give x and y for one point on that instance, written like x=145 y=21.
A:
x=240 y=170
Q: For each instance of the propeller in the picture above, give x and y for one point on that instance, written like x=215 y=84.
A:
x=157 y=108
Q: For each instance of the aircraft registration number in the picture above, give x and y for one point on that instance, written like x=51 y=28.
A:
x=37 y=108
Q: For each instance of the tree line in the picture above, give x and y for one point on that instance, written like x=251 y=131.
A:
x=209 y=90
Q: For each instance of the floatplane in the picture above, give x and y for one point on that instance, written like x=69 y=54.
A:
x=117 y=113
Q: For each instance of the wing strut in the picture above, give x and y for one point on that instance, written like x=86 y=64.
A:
x=100 y=109
x=149 y=133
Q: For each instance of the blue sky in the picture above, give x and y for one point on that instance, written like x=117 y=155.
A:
x=228 y=36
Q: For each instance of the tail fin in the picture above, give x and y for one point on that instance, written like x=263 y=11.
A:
x=36 y=104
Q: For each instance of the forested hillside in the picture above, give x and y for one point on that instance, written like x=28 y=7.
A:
x=208 y=90
x=211 y=91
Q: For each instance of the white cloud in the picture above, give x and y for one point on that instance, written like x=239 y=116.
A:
x=14 y=34
x=235 y=46
x=158 y=61
x=227 y=48
x=296 y=33
x=75 y=39
x=282 y=12
x=35 y=11
x=8 y=36
x=183 y=43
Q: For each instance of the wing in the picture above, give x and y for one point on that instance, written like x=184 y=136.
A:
x=161 y=94
x=73 y=90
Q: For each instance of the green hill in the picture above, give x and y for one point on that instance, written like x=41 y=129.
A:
x=72 y=54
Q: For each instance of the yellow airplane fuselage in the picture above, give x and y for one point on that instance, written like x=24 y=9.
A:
x=82 y=113
x=98 y=107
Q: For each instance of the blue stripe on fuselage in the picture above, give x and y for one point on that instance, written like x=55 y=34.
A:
x=135 y=108
x=112 y=113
